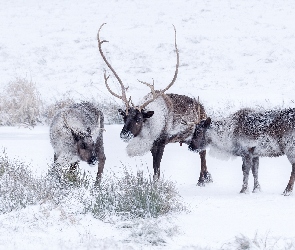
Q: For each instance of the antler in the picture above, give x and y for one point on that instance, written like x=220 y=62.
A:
x=184 y=122
x=157 y=93
x=123 y=97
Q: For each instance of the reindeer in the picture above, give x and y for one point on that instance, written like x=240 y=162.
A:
x=156 y=120
x=250 y=134
x=76 y=133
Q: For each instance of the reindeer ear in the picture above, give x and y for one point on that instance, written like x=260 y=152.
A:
x=147 y=114
x=207 y=122
x=121 y=112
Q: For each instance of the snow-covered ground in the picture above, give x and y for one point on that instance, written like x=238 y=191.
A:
x=217 y=212
x=232 y=54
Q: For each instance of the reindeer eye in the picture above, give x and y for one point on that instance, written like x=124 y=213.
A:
x=83 y=145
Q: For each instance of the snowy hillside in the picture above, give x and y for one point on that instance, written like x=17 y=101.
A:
x=232 y=54
x=240 y=51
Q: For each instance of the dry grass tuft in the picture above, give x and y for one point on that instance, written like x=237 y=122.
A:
x=20 y=104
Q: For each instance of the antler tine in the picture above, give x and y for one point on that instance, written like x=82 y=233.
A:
x=108 y=87
x=151 y=86
x=177 y=64
x=155 y=93
x=123 y=97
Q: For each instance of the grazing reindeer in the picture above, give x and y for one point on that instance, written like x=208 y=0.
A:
x=76 y=133
x=251 y=134
x=157 y=120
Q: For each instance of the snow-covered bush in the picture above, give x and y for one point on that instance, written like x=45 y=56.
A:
x=20 y=188
x=134 y=196
x=130 y=196
x=20 y=103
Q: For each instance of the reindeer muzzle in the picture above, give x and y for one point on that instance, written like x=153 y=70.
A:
x=92 y=160
x=126 y=135
x=196 y=150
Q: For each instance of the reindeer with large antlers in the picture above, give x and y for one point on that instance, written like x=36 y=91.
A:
x=158 y=119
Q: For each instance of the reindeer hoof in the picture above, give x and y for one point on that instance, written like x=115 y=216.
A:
x=207 y=177
x=287 y=192
x=201 y=182
x=256 y=189
x=244 y=190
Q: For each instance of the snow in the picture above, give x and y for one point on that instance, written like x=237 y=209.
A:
x=217 y=214
x=233 y=54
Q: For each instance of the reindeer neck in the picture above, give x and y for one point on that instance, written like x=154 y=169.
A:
x=219 y=132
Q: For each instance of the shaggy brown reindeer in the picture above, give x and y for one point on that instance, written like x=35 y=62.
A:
x=76 y=134
x=251 y=134
x=157 y=120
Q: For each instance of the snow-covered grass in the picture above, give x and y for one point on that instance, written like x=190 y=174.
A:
x=127 y=196
x=233 y=54
x=266 y=242
x=135 y=196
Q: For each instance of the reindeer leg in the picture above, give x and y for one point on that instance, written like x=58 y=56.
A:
x=290 y=185
x=54 y=158
x=247 y=162
x=157 y=153
x=101 y=159
x=255 y=166
x=205 y=176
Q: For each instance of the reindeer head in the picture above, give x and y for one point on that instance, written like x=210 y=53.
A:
x=85 y=146
x=198 y=142
x=133 y=122
x=134 y=116
x=83 y=142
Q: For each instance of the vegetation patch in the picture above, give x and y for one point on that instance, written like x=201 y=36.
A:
x=128 y=196
x=20 y=104
x=134 y=196
x=259 y=242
